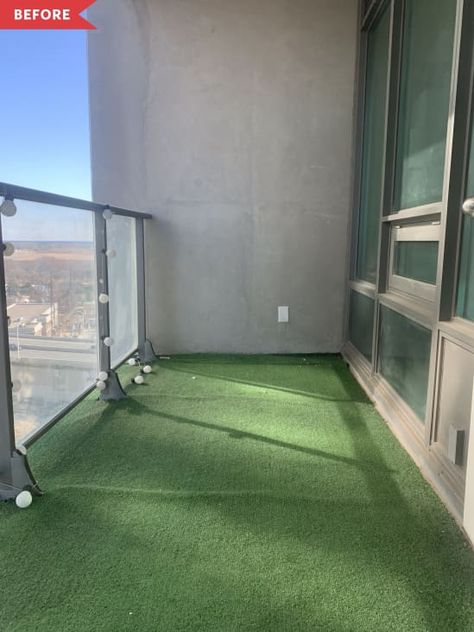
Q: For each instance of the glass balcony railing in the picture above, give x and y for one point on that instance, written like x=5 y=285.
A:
x=121 y=245
x=51 y=287
x=71 y=310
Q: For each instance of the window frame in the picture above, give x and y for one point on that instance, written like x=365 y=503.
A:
x=370 y=22
x=427 y=232
x=439 y=315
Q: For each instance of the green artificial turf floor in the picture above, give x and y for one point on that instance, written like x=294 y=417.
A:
x=232 y=493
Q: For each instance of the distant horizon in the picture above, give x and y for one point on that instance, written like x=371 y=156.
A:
x=51 y=241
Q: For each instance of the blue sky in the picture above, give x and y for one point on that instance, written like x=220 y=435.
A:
x=44 y=117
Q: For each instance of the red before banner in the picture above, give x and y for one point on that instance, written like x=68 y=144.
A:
x=44 y=14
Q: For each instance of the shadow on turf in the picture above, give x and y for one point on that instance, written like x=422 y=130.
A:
x=238 y=434
x=388 y=536
x=404 y=527
x=135 y=408
x=360 y=398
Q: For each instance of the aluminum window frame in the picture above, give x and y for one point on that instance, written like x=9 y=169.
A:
x=438 y=314
x=368 y=22
x=390 y=213
x=413 y=233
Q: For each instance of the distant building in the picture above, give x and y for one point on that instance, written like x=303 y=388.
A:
x=34 y=319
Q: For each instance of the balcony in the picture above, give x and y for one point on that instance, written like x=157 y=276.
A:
x=238 y=394
x=264 y=491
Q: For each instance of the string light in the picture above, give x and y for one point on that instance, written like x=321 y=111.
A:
x=8 y=249
x=8 y=207
x=24 y=500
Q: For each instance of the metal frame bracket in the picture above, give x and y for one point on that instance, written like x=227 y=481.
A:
x=114 y=390
x=146 y=352
x=18 y=478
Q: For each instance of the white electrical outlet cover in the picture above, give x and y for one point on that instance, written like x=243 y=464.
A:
x=283 y=314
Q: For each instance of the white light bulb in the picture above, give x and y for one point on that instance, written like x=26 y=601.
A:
x=104 y=299
x=101 y=386
x=111 y=253
x=8 y=208
x=24 y=500
x=108 y=342
x=107 y=214
x=139 y=380
x=132 y=362
x=103 y=376
x=8 y=249
x=147 y=369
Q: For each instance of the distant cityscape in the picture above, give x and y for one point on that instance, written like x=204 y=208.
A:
x=50 y=288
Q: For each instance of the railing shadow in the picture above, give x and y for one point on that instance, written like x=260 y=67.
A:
x=382 y=528
x=361 y=398
x=405 y=522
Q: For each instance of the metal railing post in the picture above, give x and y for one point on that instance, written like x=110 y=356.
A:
x=145 y=347
x=113 y=389
x=15 y=473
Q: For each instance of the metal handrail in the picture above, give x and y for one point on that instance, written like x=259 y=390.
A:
x=15 y=192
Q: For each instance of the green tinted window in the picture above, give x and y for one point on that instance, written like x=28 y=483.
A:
x=373 y=149
x=465 y=303
x=416 y=260
x=404 y=358
x=428 y=37
x=470 y=176
x=361 y=323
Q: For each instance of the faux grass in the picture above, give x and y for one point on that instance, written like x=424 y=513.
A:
x=232 y=494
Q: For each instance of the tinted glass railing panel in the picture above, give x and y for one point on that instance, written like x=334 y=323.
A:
x=428 y=38
x=373 y=149
x=404 y=358
x=51 y=300
x=121 y=242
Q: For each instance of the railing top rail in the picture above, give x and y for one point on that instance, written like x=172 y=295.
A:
x=43 y=197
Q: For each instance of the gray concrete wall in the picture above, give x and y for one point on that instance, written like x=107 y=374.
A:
x=231 y=121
